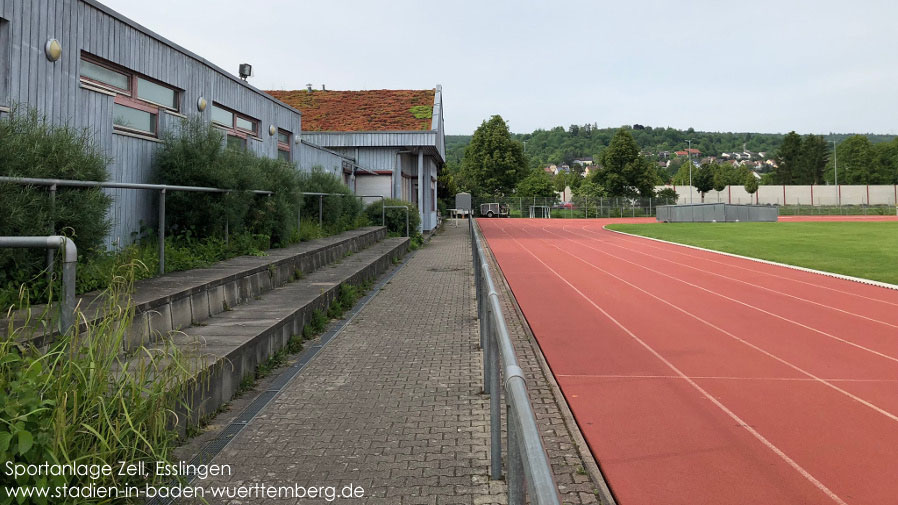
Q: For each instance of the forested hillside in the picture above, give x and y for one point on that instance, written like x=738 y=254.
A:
x=560 y=145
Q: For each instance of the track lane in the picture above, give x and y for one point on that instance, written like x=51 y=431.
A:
x=882 y=312
x=866 y=334
x=545 y=311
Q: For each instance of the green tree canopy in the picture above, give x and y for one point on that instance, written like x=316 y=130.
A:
x=751 y=184
x=493 y=163
x=788 y=160
x=537 y=183
x=624 y=171
x=703 y=180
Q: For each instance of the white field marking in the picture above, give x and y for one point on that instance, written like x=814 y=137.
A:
x=740 y=281
x=714 y=377
x=774 y=263
x=721 y=295
x=738 y=339
x=767 y=443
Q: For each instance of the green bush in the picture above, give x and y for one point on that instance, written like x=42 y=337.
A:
x=32 y=147
x=395 y=218
x=196 y=156
x=339 y=213
x=79 y=402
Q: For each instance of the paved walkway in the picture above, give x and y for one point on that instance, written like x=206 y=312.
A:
x=393 y=404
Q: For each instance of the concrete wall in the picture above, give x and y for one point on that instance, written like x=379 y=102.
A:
x=795 y=195
x=56 y=91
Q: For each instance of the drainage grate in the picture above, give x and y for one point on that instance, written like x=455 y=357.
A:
x=213 y=447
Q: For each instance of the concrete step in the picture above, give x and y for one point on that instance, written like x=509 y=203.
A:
x=232 y=344
x=180 y=299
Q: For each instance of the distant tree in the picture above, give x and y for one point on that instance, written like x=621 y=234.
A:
x=720 y=176
x=812 y=163
x=703 y=180
x=681 y=178
x=885 y=159
x=667 y=196
x=624 y=172
x=590 y=189
x=788 y=159
x=537 y=183
x=493 y=163
x=855 y=158
x=751 y=185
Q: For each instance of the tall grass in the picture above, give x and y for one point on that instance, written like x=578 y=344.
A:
x=80 y=402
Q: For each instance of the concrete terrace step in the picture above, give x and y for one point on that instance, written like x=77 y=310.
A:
x=179 y=299
x=232 y=344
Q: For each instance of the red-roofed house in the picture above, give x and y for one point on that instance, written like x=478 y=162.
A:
x=396 y=135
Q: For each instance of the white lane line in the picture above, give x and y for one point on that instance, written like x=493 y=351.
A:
x=737 y=338
x=715 y=377
x=740 y=302
x=767 y=443
x=847 y=312
x=766 y=262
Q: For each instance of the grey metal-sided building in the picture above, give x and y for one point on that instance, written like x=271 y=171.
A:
x=397 y=134
x=81 y=63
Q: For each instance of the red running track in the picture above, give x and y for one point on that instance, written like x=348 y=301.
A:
x=699 y=378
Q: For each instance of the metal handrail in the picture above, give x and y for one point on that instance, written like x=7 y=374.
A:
x=69 y=263
x=162 y=188
x=527 y=465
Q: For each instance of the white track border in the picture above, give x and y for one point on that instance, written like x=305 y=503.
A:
x=860 y=280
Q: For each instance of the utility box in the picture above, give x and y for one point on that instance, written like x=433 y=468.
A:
x=463 y=202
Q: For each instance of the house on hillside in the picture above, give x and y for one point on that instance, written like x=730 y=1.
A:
x=397 y=135
x=81 y=63
x=583 y=161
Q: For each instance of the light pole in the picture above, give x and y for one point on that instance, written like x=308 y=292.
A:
x=689 y=160
x=836 y=161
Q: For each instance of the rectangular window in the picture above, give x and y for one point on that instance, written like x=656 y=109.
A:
x=284 y=145
x=157 y=93
x=137 y=98
x=104 y=75
x=237 y=125
x=222 y=117
x=134 y=119
x=235 y=142
x=245 y=124
x=4 y=62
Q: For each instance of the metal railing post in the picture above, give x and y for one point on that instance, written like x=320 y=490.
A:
x=320 y=211
x=406 y=223
x=527 y=465
x=161 y=237
x=495 y=402
x=486 y=343
x=69 y=264
x=51 y=253
x=383 y=212
x=515 y=464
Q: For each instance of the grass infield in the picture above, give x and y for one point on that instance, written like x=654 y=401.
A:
x=867 y=250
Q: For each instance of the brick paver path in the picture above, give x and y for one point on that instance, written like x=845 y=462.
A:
x=393 y=404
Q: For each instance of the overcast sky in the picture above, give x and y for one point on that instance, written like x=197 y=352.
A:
x=761 y=66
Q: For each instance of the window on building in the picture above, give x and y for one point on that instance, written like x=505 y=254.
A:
x=237 y=126
x=284 y=145
x=4 y=62
x=235 y=142
x=138 y=98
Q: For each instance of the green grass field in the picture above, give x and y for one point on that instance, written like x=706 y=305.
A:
x=868 y=250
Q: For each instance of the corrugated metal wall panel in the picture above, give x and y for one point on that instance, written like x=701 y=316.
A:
x=54 y=89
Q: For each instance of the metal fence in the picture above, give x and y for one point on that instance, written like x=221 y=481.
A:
x=579 y=207
x=527 y=465
x=162 y=189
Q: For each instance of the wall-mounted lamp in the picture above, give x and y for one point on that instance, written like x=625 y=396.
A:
x=272 y=130
x=201 y=104
x=53 y=50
